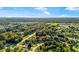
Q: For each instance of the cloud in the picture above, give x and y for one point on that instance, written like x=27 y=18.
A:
x=72 y=8
x=43 y=10
x=14 y=16
x=47 y=13
x=63 y=15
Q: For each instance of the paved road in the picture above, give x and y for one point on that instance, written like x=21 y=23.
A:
x=34 y=48
x=26 y=38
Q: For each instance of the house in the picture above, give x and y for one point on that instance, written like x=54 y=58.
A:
x=40 y=35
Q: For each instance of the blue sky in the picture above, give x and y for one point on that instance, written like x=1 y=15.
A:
x=39 y=12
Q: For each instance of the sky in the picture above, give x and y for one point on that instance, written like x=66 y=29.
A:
x=39 y=11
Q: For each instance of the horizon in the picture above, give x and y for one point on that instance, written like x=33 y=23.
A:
x=39 y=17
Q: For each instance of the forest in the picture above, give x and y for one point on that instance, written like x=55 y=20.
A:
x=39 y=37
